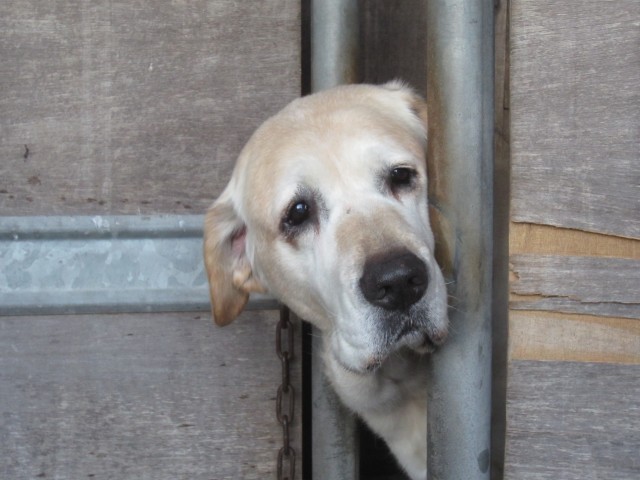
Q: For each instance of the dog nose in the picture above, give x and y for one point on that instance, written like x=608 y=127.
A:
x=394 y=281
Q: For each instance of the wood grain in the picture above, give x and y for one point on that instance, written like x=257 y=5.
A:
x=552 y=336
x=575 y=91
x=588 y=285
x=573 y=421
x=575 y=193
x=150 y=397
x=136 y=107
x=547 y=240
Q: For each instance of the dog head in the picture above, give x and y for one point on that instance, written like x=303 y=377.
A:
x=327 y=210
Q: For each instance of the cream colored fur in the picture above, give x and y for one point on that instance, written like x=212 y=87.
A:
x=333 y=153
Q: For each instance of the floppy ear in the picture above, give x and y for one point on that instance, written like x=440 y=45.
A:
x=229 y=272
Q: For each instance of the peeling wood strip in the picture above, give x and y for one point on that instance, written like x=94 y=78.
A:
x=548 y=240
x=567 y=305
x=590 y=285
x=552 y=336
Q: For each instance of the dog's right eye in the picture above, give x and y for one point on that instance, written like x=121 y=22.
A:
x=297 y=214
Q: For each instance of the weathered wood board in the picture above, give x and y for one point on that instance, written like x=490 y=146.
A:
x=157 y=397
x=575 y=96
x=572 y=284
x=575 y=244
x=526 y=238
x=583 y=338
x=573 y=421
x=118 y=107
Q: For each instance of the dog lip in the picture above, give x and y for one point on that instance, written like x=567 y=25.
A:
x=420 y=339
x=429 y=344
x=371 y=366
x=368 y=369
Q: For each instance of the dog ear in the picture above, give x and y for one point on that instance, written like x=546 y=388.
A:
x=415 y=102
x=419 y=108
x=229 y=272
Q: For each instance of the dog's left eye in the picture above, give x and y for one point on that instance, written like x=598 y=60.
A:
x=297 y=214
x=401 y=177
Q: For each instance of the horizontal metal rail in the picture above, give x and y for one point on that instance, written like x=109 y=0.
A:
x=104 y=264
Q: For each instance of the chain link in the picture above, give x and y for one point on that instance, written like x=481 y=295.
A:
x=286 y=397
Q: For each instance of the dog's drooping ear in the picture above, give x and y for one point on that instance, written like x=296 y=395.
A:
x=229 y=272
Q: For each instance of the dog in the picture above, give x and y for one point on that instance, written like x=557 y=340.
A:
x=327 y=211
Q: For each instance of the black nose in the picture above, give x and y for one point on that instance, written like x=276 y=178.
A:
x=394 y=281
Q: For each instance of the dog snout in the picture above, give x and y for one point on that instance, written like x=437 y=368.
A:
x=394 y=281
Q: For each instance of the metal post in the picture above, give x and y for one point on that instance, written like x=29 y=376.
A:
x=334 y=49
x=334 y=43
x=460 y=98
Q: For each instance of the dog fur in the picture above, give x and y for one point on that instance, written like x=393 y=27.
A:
x=327 y=211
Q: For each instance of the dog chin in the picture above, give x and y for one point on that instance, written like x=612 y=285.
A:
x=417 y=342
x=365 y=367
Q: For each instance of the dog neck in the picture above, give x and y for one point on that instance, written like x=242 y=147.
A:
x=399 y=380
x=392 y=400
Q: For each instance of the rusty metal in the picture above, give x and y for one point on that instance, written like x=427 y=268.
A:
x=285 y=389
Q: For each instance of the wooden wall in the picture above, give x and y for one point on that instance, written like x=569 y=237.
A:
x=573 y=396
x=161 y=396
x=141 y=107
x=137 y=107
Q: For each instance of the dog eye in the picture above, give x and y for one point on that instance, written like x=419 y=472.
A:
x=297 y=214
x=401 y=177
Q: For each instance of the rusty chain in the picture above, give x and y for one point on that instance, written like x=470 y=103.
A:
x=286 y=396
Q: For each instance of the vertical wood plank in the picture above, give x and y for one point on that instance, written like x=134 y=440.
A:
x=575 y=79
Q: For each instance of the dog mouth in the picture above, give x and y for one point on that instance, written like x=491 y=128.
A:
x=422 y=338
x=414 y=340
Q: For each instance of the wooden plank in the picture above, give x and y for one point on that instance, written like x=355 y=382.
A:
x=136 y=107
x=554 y=336
x=157 y=397
x=587 y=285
x=575 y=79
x=547 y=240
x=573 y=421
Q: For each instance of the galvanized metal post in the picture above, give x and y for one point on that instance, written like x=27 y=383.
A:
x=334 y=48
x=334 y=43
x=460 y=97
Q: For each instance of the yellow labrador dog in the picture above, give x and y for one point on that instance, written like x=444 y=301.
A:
x=327 y=210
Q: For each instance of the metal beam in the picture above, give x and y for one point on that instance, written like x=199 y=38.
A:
x=460 y=99
x=104 y=264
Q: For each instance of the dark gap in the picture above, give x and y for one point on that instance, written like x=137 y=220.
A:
x=501 y=195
